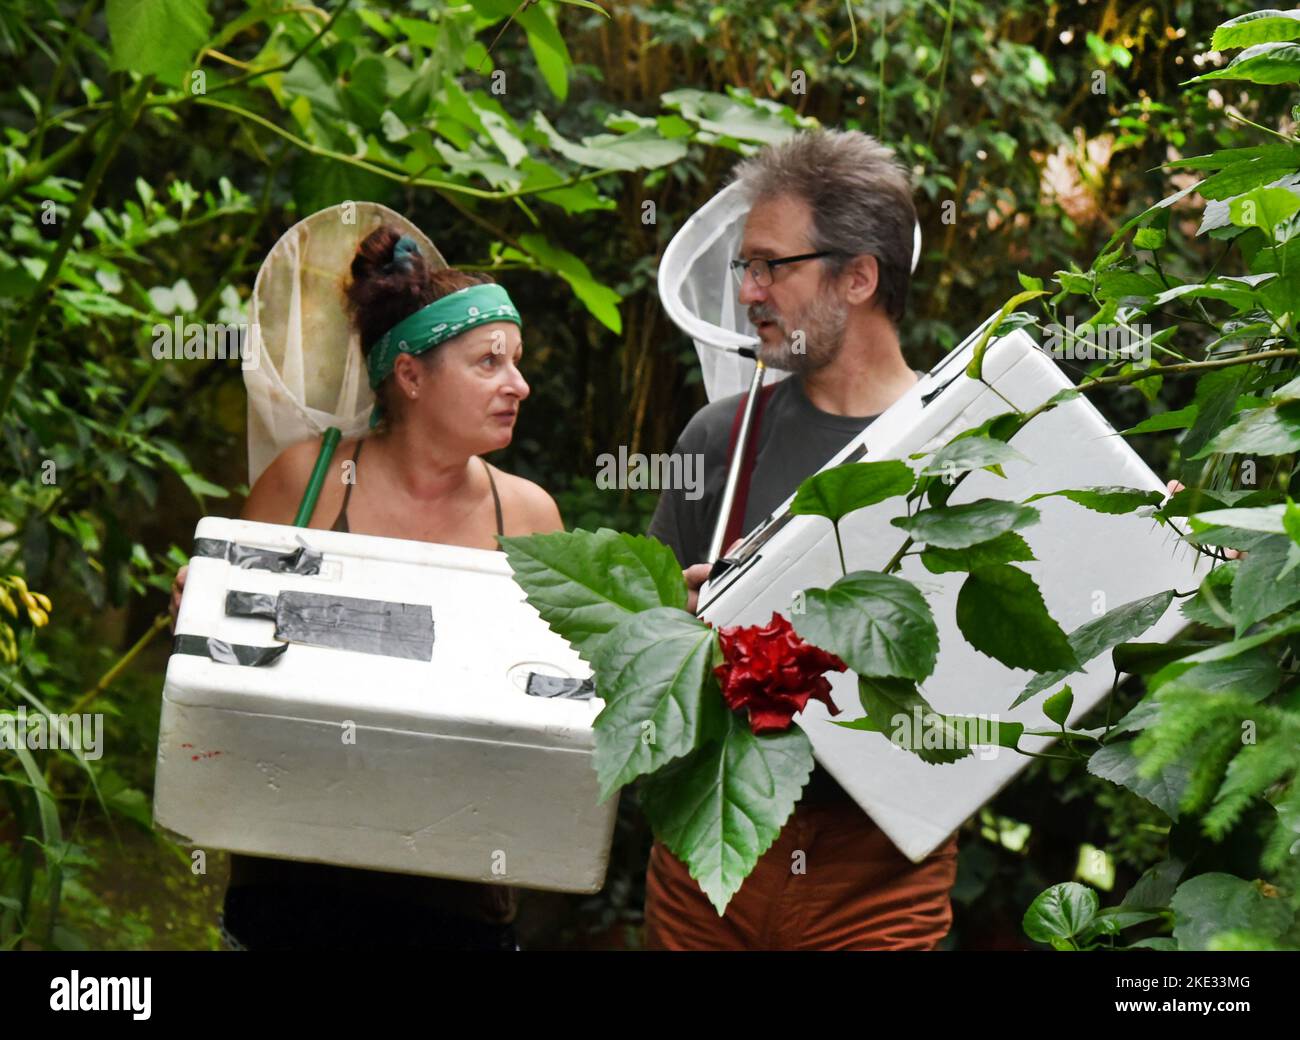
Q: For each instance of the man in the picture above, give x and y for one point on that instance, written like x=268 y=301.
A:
x=825 y=267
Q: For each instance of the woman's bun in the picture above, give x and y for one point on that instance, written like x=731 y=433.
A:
x=383 y=292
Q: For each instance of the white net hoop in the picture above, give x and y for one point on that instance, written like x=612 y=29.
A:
x=309 y=373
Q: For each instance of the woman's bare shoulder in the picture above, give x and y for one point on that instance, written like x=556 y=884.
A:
x=276 y=494
x=527 y=508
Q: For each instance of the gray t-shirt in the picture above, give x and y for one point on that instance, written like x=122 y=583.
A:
x=795 y=439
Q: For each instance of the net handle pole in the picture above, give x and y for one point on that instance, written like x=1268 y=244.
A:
x=737 y=463
x=328 y=443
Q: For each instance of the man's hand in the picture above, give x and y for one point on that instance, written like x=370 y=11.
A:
x=696 y=575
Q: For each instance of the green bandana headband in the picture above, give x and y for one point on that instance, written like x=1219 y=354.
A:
x=438 y=322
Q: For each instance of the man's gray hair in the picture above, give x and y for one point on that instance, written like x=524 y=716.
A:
x=860 y=196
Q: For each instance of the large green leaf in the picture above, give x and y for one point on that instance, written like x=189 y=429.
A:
x=1261 y=519
x=957 y=527
x=1112 y=920
x=1119 y=763
x=1263 y=208
x=1005 y=548
x=1240 y=293
x=1212 y=604
x=1001 y=613
x=1257 y=27
x=599 y=299
x=654 y=671
x=585 y=583
x=1288 y=391
x=838 y=491
x=572 y=198
x=1156 y=887
x=878 y=624
x=1274 y=430
x=938 y=486
x=1097 y=636
x=643 y=148
x=1136 y=658
x=1060 y=913
x=719 y=809
x=732 y=118
x=549 y=48
x=967 y=453
x=1190 y=500
x=1209 y=905
x=1215 y=399
x=897 y=709
x=1224 y=157
x=1264 y=63
x=157 y=36
x=1288 y=625
x=1114 y=500
x=1261 y=589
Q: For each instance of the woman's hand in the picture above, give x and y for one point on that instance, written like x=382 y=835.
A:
x=178 y=588
x=1175 y=486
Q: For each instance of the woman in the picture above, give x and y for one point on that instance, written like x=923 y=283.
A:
x=442 y=349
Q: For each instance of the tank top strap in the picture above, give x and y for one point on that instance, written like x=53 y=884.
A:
x=496 y=498
x=341 y=521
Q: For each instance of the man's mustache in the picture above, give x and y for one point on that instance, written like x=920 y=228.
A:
x=762 y=312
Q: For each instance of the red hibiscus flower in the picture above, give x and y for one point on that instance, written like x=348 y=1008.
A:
x=772 y=672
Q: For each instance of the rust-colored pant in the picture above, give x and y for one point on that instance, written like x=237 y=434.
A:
x=856 y=892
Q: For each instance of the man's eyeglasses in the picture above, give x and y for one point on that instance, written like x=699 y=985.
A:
x=761 y=268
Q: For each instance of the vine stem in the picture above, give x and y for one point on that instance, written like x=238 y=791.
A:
x=943 y=71
x=122 y=663
x=1182 y=368
x=897 y=558
x=1040 y=754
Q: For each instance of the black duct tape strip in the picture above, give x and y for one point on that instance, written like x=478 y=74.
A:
x=227 y=653
x=301 y=561
x=367 y=626
x=250 y=604
x=554 y=686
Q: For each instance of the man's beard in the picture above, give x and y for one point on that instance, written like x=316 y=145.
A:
x=822 y=323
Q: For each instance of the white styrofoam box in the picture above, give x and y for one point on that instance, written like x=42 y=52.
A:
x=452 y=771
x=1087 y=563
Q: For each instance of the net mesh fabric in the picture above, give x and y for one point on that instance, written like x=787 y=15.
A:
x=700 y=294
x=310 y=373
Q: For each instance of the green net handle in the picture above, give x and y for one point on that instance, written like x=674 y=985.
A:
x=328 y=443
